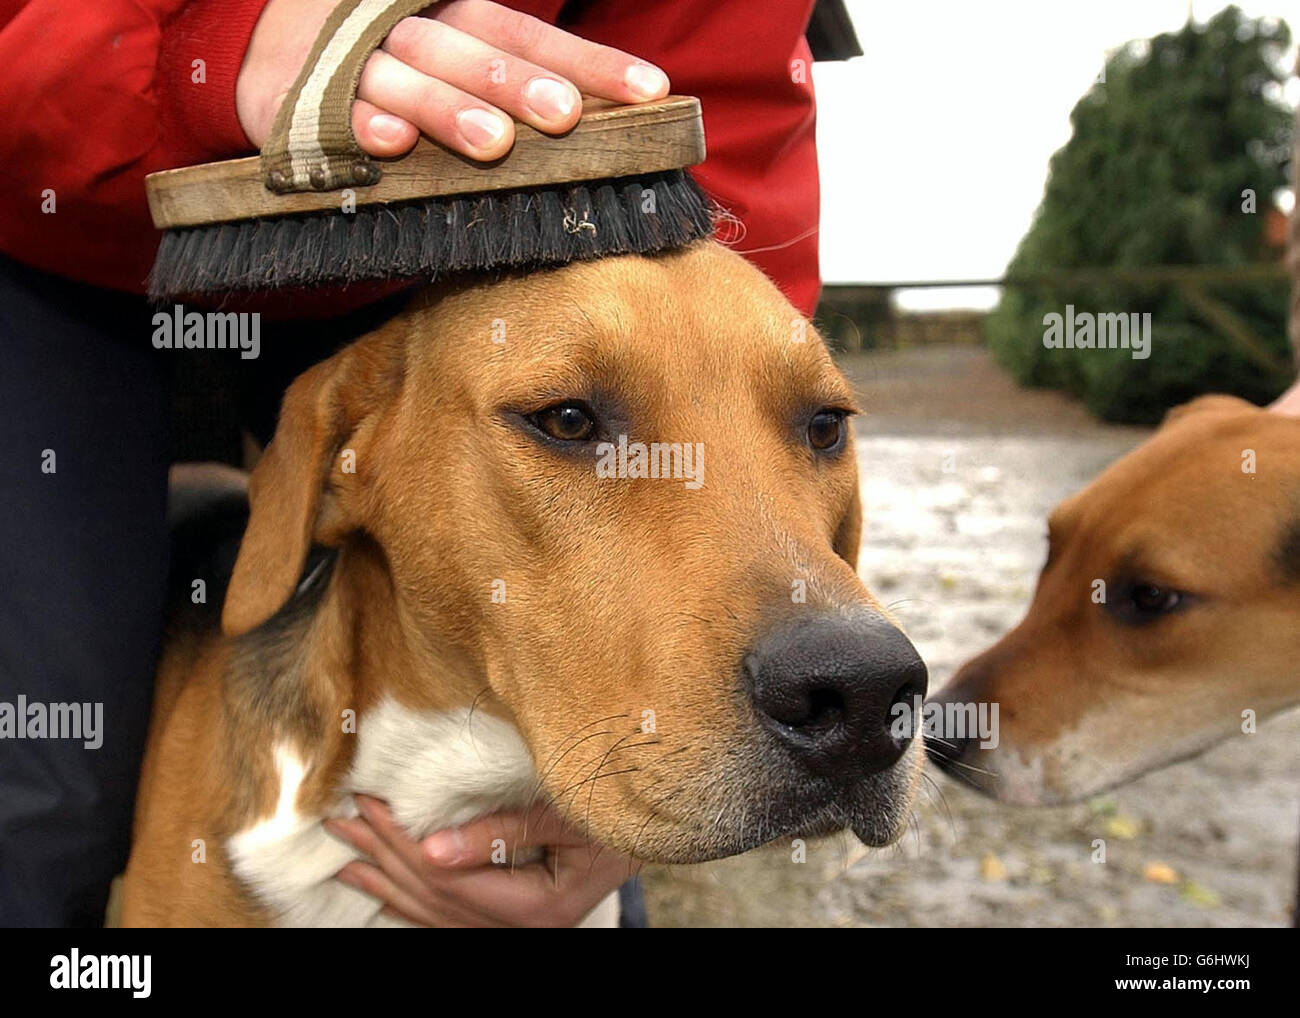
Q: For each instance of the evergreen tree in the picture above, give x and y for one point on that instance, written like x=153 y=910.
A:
x=1165 y=154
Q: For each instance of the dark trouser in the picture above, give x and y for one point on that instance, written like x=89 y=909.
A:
x=83 y=561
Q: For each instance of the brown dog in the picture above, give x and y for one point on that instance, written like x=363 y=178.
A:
x=594 y=537
x=1168 y=607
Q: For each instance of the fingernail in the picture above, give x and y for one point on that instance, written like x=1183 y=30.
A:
x=387 y=127
x=550 y=99
x=445 y=847
x=481 y=128
x=646 y=80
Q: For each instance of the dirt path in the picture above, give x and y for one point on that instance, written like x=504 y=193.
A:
x=959 y=470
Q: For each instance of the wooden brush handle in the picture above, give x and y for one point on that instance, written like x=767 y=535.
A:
x=311 y=146
x=609 y=141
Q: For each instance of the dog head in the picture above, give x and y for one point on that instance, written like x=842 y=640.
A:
x=617 y=504
x=1168 y=606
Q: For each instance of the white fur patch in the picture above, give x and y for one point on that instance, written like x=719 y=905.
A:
x=435 y=770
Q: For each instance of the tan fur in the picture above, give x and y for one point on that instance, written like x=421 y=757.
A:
x=621 y=596
x=1087 y=701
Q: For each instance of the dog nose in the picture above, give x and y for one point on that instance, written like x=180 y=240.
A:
x=826 y=687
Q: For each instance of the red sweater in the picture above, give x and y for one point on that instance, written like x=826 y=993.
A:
x=97 y=94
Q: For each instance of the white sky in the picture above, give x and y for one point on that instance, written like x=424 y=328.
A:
x=934 y=145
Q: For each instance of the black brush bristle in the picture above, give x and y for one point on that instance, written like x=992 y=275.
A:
x=550 y=213
x=406 y=248
x=436 y=224
x=261 y=254
x=385 y=240
x=523 y=233
x=434 y=238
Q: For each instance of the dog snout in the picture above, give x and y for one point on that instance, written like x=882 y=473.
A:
x=826 y=688
x=961 y=754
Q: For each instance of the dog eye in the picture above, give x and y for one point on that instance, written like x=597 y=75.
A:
x=1143 y=602
x=826 y=430
x=565 y=422
x=1152 y=600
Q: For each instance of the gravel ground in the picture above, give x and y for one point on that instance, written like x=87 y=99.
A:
x=959 y=469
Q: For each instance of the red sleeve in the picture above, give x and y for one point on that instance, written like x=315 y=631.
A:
x=751 y=69
x=99 y=94
x=96 y=95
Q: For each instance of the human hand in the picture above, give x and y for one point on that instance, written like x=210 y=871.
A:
x=450 y=879
x=457 y=73
x=1289 y=402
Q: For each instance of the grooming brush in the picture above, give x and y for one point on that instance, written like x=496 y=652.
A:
x=314 y=210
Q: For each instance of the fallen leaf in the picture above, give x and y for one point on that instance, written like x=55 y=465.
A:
x=1200 y=895
x=1160 y=873
x=1103 y=807
x=1122 y=827
x=992 y=869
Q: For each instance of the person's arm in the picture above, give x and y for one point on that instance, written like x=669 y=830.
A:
x=1289 y=402
x=98 y=95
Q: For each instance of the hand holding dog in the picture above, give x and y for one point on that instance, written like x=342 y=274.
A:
x=1289 y=402
x=457 y=74
x=450 y=878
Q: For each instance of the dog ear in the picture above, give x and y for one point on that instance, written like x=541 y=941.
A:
x=849 y=531
x=1213 y=403
x=296 y=490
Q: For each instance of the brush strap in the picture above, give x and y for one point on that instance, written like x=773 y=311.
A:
x=311 y=146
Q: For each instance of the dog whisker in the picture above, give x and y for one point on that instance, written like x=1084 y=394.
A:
x=635 y=745
x=654 y=813
x=592 y=790
x=932 y=790
x=473 y=704
x=595 y=777
x=561 y=751
x=972 y=768
x=923 y=602
x=554 y=761
x=600 y=846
